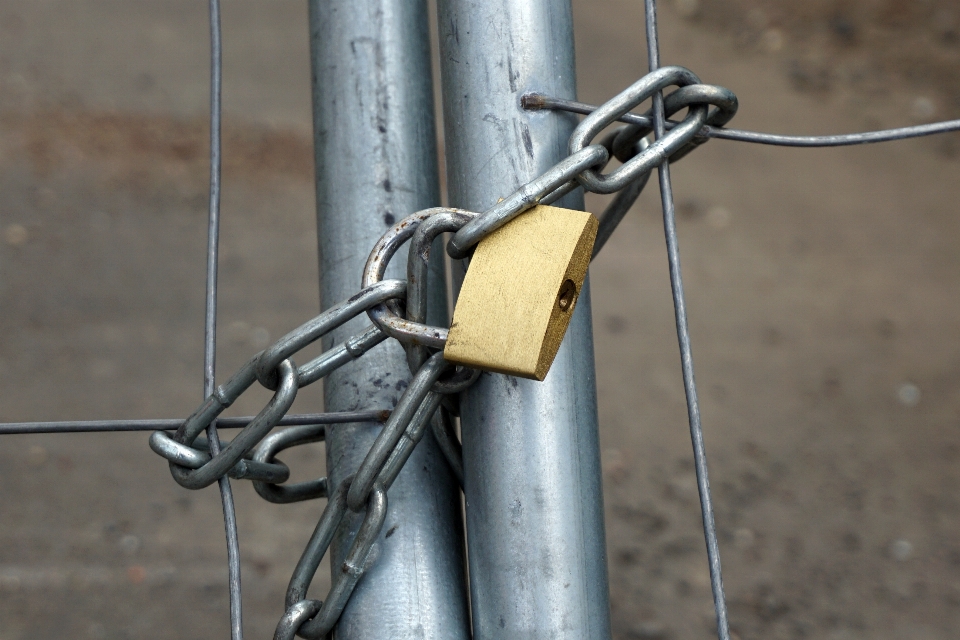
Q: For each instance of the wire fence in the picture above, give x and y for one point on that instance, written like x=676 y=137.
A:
x=398 y=310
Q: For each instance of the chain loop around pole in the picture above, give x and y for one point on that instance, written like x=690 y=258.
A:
x=252 y=453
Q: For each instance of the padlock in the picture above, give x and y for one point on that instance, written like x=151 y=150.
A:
x=520 y=291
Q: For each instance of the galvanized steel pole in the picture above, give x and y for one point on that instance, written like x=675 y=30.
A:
x=376 y=162
x=534 y=503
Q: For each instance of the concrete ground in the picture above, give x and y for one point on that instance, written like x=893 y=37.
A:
x=822 y=287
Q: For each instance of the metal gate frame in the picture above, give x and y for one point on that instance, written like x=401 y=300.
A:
x=376 y=162
x=532 y=481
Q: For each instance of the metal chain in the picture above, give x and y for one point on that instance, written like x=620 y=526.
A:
x=398 y=309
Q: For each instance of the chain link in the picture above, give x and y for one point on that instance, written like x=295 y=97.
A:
x=658 y=151
x=725 y=108
x=314 y=619
x=559 y=177
x=265 y=453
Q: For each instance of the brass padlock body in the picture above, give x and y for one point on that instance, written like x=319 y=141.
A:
x=520 y=291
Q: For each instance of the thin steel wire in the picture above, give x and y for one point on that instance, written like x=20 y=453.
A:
x=534 y=101
x=683 y=336
x=842 y=140
x=210 y=326
x=169 y=424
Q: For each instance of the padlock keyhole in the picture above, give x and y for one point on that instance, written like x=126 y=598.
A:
x=567 y=295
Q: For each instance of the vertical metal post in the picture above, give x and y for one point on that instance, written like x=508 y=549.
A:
x=534 y=505
x=376 y=162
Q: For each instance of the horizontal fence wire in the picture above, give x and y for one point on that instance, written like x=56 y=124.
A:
x=535 y=101
x=169 y=424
